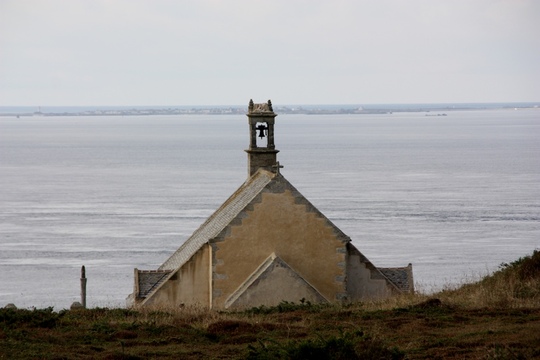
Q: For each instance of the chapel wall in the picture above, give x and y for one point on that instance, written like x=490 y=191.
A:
x=279 y=223
x=362 y=284
x=190 y=285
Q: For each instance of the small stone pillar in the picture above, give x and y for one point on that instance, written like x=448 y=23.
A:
x=83 y=287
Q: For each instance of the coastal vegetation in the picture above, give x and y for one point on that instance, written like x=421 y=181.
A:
x=497 y=317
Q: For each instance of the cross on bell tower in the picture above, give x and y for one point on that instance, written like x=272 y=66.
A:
x=261 y=118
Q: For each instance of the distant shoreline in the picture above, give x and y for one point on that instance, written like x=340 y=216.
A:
x=29 y=111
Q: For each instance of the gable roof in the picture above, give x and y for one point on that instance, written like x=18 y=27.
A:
x=222 y=218
x=230 y=210
x=263 y=279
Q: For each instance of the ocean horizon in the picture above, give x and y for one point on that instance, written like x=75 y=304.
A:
x=63 y=109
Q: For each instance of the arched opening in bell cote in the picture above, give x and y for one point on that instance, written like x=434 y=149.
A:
x=261 y=136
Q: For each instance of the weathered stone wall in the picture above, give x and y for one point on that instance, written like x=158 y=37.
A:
x=190 y=285
x=363 y=280
x=261 y=159
x=274 y=283
x=280 y=223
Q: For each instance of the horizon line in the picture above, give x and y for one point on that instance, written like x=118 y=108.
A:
x=294 y=104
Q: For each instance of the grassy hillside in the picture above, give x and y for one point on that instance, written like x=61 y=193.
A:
x=495 y=318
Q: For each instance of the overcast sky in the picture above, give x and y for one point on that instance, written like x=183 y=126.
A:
x=202 y=52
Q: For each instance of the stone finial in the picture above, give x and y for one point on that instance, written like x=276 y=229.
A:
x=260 y=108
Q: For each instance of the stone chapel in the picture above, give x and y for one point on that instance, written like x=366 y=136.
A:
x=266 y=244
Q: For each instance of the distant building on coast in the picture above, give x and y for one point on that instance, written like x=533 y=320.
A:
x=266 y=244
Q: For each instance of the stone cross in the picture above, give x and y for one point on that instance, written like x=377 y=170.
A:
x=277 y=167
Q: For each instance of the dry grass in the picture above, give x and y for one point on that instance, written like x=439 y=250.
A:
x=515 y=285
x=496 y=318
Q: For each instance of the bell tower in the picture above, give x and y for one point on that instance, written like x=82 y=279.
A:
x=261 y=153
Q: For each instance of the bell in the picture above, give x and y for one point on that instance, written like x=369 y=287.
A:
x=261 y=129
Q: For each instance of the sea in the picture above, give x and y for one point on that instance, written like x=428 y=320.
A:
x=456 y=195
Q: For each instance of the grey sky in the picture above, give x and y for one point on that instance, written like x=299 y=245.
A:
x=203 y=52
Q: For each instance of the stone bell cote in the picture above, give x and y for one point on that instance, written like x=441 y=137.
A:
x=262 y=151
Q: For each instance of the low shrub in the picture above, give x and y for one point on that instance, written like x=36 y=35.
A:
x=346 y=346
x=286 y=306
x=41 y=318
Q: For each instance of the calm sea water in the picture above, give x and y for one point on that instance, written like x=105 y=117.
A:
x=455 y=195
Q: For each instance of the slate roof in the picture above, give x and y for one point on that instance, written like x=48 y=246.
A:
x=150 y=280
x=219 y=219
x=401 y=277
